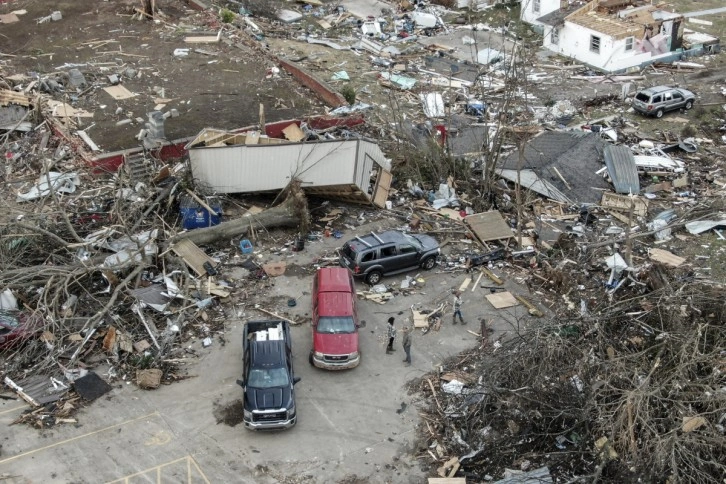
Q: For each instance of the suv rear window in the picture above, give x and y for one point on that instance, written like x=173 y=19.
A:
x=641 y=96
x=348 y=251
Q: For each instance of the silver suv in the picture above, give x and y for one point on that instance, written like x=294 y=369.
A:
x=376 y=255
x=655 y=101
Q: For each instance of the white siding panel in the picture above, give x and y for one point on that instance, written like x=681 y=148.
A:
x=238 y=169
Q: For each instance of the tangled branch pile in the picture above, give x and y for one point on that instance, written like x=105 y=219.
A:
x=635 y=391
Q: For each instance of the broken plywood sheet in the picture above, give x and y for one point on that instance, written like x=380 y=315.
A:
x=488 y=226
x=622 y=203
x=119 y=92
x=502 y=300
x=294 y=133
x=450 y=213
x=63 y=110
x=420 y=319
x=193 y=256
x=8 y=18
x=665 y=257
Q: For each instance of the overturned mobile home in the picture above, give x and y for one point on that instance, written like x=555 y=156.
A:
x=353 y=170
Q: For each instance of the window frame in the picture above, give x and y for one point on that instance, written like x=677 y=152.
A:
x=629 y=43
x=555 y=36
x=595 y=44
x=536 y=6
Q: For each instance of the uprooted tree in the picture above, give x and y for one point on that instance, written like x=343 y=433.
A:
x=72 y=260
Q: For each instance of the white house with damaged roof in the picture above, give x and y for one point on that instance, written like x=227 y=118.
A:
x=615 y=35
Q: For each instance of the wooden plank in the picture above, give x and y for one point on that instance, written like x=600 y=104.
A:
x=465 y=284
x=192 y=255
x=533 y=310
x=495 y=279
x=665 y=257
x=501 y=300
x=447 y=480
x=476 y=284
x=488 y=226
x=383 y=187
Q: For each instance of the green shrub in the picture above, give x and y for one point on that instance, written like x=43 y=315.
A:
x=227 y=16
x=348 y=93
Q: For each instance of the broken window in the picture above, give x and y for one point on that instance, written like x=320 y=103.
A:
x=555 y=36
x=388 y=251
x=595 y=44
x=535 y=6
x=629 y=43
x=667 y=96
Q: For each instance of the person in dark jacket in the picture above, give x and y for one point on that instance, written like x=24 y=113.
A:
x=407 y=344
x=391 y=335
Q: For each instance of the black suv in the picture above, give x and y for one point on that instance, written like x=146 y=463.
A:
x=269 y=380
x=376 y=255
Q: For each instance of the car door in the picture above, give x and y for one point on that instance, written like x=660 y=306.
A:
x=678 y=100
x=408 y=255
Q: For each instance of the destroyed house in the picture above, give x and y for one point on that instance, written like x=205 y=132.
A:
x=614 y=35
x=353 y=170
x=560 y=165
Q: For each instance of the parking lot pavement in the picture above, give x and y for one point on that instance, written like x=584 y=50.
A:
x=360 y=422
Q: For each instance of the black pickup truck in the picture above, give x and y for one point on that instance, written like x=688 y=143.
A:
x=269 y=381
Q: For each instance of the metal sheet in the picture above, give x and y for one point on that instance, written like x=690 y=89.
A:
x=532 y=181
x=622 y=170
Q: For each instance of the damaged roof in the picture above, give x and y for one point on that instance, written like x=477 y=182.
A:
x=564 y=160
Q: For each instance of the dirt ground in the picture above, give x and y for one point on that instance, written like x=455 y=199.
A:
x=221 y=89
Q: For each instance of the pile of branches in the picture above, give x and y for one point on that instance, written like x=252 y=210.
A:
x=635 y=392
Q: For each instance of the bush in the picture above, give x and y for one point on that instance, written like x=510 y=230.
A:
x=227 y=16
x=348 y=93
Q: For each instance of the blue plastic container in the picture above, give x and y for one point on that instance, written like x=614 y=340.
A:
x=194 y=216
x=246 y=246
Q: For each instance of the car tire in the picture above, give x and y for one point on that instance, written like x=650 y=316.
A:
x=310 y=358
x=373 y=278
x=689 y=104
x=659 y=113
x=428 y=263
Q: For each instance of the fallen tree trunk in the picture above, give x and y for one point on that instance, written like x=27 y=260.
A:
x=287 y=214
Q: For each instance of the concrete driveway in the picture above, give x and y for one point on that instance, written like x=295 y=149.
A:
x=353 y=426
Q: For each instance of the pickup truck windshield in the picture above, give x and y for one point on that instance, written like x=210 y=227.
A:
x=333 y=325
x=268 y=377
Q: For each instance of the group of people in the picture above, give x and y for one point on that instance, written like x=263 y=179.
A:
x=391 y=331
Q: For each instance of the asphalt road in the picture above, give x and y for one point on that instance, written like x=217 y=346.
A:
x=357 y=425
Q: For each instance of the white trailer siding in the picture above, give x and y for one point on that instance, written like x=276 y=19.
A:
x=258 y=168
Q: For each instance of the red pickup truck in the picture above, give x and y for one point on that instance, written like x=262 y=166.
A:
x=335 y=321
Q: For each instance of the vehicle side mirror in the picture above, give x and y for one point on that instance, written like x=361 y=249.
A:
x=296 y=379
x=241 y=383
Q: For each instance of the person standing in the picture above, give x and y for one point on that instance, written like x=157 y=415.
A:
x=457 y=307
x=407 y=345
x=391 y=335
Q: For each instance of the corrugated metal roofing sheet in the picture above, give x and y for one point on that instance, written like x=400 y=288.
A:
x=622 y=170
x=532 y=181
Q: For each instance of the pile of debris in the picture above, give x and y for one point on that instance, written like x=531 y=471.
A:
x=631 y=390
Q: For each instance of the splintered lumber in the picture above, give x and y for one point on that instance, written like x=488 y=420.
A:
x=276 y=316
x=531 y=307
x=379 y=298
x=492 y=276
